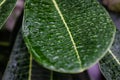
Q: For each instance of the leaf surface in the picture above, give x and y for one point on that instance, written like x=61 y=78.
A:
x=6 y=7
x=67 y=36
x=110 y=64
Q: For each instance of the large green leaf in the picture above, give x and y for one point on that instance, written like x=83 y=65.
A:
x=110 y=64
x=6 y=7
x=67 y=36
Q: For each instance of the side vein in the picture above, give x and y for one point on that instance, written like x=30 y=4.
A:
x=30 y=67
x=60 y=13
x=114 y=57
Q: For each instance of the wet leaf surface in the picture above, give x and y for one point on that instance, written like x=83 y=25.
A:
x=67 y=36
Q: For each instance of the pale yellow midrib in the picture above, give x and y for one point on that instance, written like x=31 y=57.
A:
x=2 y=2
x=60 y=13
x=30 y=68
x=114 y=57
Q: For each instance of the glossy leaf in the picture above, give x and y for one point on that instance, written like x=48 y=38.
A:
x=110 y=64
x=6 y=7
x=67 y=36
x=18 y=67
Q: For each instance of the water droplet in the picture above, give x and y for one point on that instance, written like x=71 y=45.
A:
x=52 y=67
x=55 y=58
x=61 y=69
x=98 y=46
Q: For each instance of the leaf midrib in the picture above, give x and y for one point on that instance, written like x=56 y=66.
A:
x=2 y=2
x=68 y=30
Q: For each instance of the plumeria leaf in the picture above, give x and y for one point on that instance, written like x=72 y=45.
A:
x=67 y=36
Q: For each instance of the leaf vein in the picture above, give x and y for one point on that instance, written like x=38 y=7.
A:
x=71 y=37
x=114 y=57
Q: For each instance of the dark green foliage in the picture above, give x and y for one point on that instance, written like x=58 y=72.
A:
x=67 y=36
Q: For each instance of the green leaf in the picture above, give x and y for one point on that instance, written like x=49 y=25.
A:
x=67 y=36
x=110 y=64
x=6 y=7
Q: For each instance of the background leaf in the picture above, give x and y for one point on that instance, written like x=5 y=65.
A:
x=67 y=36
x=18 y=65
x=110 y=64
x=6 y=7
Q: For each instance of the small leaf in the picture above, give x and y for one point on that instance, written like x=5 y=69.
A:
x=110 y=64
x=6 y=7
x=67 y=36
